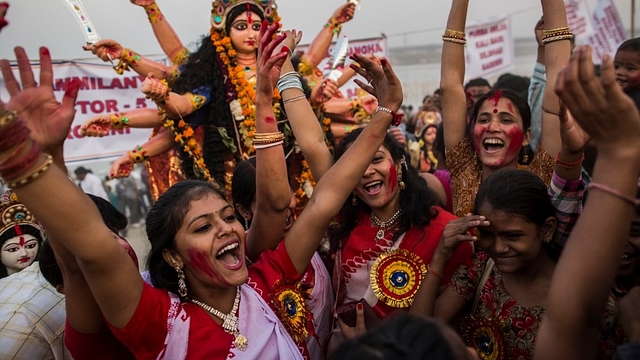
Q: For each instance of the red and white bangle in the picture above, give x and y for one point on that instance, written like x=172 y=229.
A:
x=397 y=118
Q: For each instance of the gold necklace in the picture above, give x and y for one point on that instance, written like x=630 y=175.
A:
x=384 y=225
x=229 y=321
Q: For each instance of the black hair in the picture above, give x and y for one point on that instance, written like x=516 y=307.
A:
x=515 y=83
x=11 y=233
x=112 y=217
x=519 y=193
x=404 y=337
x=49 y=265
x=236 y=11
x=163 y=222
x=631 y=45
x=476 y=82
x=438 y=143
x=416 y=201
x=243 y=186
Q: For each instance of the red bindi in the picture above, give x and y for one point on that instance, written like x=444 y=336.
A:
x=249 y=17
x=21 y=241
x=495 y=111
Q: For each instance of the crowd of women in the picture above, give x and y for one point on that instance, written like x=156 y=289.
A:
x=483 y=254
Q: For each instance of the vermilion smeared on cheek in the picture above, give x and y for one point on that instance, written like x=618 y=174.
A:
x=515 y=142
x=478 y=131
x=201 y=263
x=393 y=177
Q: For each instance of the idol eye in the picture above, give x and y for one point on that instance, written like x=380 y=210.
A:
x=241 y=27
x=31 y=246
x=11 y=249
x=257 y=27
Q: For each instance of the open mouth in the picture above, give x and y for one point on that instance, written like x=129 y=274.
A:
x=373 y=187
x=628 y=257
x=229 y=255
x=492 y=144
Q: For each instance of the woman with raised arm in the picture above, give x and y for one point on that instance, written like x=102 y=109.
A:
x=576 y=292
x=197 y=244
x=499 y=125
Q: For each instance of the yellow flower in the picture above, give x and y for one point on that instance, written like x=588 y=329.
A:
x=188 y=132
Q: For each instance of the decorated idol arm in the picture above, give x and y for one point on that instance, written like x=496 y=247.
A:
x=557 y=50
x=320 y=45
x=177 y=106
x=167 y=37
x=273 y=194
x=162 y=141
x=578 y=293
x=101 y=125
x=334 y=188
x=454 y=110
x=26 y=169
x=111 y=50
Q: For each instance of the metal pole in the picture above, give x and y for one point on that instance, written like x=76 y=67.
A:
x=633 y=18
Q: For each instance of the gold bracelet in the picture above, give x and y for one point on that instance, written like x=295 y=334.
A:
x=7 y=118
x=153 y=13
x=553 y=32
x=454 y=33
x=34 y=175
x=454 y=40
x=548 y=40
x=334 y=25
x=267 y=136
x=181 y=58
x=117 y=121
x=196 y=100
x=293 y=99
x=128 y=57
x=138 y=155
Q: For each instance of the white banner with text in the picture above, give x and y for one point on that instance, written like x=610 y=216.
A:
x=489 y=48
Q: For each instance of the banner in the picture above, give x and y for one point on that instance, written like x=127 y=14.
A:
x=373 y=46
x=609 y=31
x=102 y=92
x=579 y=19
x=489 y=48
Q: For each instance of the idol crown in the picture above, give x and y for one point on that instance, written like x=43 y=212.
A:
x=221 y=8
x=13 y=213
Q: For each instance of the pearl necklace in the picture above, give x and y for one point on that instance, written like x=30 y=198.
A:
x=384 y=225
x=229 y=321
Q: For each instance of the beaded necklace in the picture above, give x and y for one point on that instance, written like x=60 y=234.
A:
x=384 y=225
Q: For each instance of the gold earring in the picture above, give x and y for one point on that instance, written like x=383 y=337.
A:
x=401 y=184
x=182 y=285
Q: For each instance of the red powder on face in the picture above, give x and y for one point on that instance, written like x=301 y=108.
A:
x=478 y=131
x=269 y=120
x=510 y=107
x=393 y=177
x=515 y=135
x=21 y=241
x=495 y=98
x=201 y=263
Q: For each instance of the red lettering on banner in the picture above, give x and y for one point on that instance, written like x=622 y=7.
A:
x=141 y=103
x=74 y=132
x=492 y=64
x=478 y=32
x=498 y=27
x=491 y=52
x=97 y=106
x=481 y=44
x=93 y=83
x=365 y=49
x=497 y=39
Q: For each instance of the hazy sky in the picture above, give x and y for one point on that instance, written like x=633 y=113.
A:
x=412 y=22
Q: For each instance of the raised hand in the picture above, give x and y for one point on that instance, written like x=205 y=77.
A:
x=324 y=91
x=107 y=49
x=96 y=126
x=383 y=82
x=456 y=232
x=345 y=12
x=48 y=119
x=121 y=167
x=154 y=89
x=270 y=63
x=143 y=3
x=574 y=139
x=3 y=12
x=601 y=108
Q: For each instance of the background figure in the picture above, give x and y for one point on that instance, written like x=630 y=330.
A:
x=32 y=314
x=129 y=200
x=90 y=183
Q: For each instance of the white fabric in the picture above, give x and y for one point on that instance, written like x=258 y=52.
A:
x=320 y=306
x=91 y=184
x=268 y=339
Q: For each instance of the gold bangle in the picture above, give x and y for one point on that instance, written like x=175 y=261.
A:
x=34 y=175
x=181 y=57
x=153 y=13
x=7 y=118
x=271 y=135
x=138 y=155
x=548 y=40
x=117 y=121
x=454 y=40
x=454 y=33
x=197 y=101
x=128 y=57
x=551 y=32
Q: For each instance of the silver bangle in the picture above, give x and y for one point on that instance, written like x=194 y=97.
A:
x=266 y=146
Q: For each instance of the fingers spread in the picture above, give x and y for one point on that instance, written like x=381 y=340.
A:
x=46 y=70
x=10 y=82
x=24 y=67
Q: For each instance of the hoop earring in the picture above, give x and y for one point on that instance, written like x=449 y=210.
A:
x=354 y=200
x=182 y=285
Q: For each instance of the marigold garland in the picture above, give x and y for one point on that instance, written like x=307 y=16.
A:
x=305 y=180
